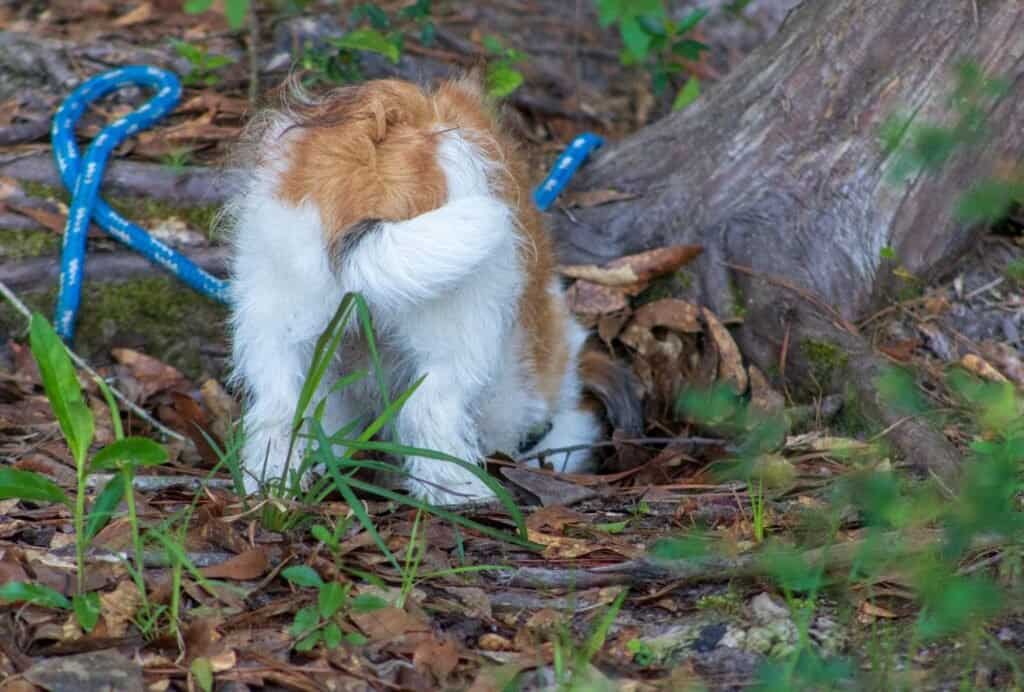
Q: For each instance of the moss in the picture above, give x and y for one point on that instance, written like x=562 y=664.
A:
x=673 y=285
x=826 y=360
x=729 y=603
x=138 y=209
x=22 y=244
x=156 y=315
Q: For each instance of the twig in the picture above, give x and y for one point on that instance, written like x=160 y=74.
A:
x=13 y=299
x=831 y=558
x=157 y=483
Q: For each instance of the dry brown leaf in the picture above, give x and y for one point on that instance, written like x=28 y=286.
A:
x=671 y=313
x=730 y=364
x=118 y=607
x=561 y=547
x=251 y=564
x=868 y=611
x=490 y=641
x=900 y=350
x=763 y=397
x=595 y=198
x=221 y=405
x=589 y=298
x=1006 y=358
x=634 y=269
x=154 y=375
x=982 y=368
x=555 y=517
x=142 y=13
x=439 y=656
x=388 y=623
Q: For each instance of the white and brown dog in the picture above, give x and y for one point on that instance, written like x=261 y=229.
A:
x=418 y=200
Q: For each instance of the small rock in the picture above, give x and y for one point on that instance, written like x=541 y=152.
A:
x=96 y=671
x=766 y=610
x=710 y=637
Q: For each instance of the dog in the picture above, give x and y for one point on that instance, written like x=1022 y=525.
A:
x=419 y=200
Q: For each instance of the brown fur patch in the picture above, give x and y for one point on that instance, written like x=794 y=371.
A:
x=364 y=152
x=370 y=152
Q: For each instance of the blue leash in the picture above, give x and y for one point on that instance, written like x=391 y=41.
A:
x=83 y=175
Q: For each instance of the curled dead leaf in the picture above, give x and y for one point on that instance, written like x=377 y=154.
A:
x=730 y=364
x=982 y=368
x=634 y=269
x=671 y=313
x=251 y=564
x=593 y=299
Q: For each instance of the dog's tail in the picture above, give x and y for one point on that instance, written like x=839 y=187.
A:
x=615 y=387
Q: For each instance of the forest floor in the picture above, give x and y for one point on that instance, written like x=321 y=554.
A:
x=732 y=544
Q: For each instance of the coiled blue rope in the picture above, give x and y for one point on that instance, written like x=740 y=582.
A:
x=83 y=175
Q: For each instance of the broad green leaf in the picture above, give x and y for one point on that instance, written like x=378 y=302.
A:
x=367 y=603
x=613 y=527
x=608 y=11
x=28 y=485
x=332 y=635
x=202 y=673
x=637 y=41
x=307 y=643
x=502 y=80
x=372 y=41
x=87 y=609
x=103 y=508
x=302 y=575
x=190 y=52
x=989 y=201
x=22 y=592
x=235 y=11
x=687 y=95
x=197 y=6
x=492 y=44
x=62 y=387
x=355 y=638
x=691 y=20
x=133 y=451
x=215 y=62
x=689 y=48
x=331 y=598
x=322 y=534
x=305 y=620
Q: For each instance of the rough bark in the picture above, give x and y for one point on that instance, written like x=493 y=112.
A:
x=780 y=170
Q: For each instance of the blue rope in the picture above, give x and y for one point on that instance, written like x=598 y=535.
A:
x=565 y=167
x=82 y=176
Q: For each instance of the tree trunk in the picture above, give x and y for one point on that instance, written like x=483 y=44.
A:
x=780 y=170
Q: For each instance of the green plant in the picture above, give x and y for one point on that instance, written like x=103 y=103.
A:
x=1014 y=271
x=502 y=76
x=375 y=32
x=203 y=67
x=757 y=508
x=571 y=661
x=178 y=159
x=288 y=496
x=235 y=10
x=658 y=43
x=325 y=622
x=124 y=455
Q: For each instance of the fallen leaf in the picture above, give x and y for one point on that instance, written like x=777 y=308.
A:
x=140 y=14
x=983 y=369
x=870 y=611
x=635 y=269
x=249 y=565
x=730 y=365
x=388 y=623
x=490 y=641
x=118 y=607
x=547 y=489
x=154 y=375
x=900 y=350
x=671 y=313
x=222 y=406
x=763 y=397
x=439 y=656
x=1006 y=358
x=555 y=518
x=589 y=298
